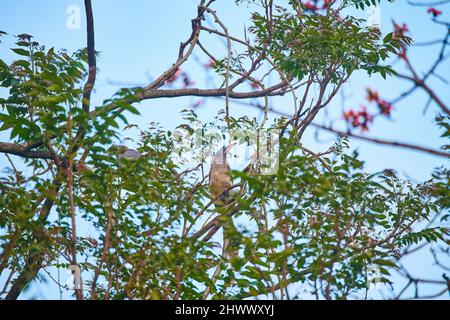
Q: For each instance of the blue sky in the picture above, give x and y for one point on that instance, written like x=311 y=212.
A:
x=139 y=39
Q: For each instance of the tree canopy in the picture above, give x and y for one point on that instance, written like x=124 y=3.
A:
x=319 y=221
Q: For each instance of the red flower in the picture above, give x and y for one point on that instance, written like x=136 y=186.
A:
x=187 y=82
x=372 y=95
x=435 y=12
x=174 y=77
x=350 y=114
x=366 y=119
x=400 y=30
x=352 y=117
x=197 y=103
x=254 y=85
x=327 y=3
x=359 y=119
x=311 y=6
x=209 y=64
x=24 y=37
x=385 y=107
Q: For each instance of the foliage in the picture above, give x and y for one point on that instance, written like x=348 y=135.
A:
x=327 y=45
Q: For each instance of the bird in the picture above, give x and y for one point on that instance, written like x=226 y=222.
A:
x=127 y=153
x=82 y=167
x=220 y=185
x=84 y=172
x=220 y=181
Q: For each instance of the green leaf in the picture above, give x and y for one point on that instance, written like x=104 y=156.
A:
x=21 y=52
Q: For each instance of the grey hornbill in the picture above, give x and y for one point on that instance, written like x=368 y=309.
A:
x=220 y=185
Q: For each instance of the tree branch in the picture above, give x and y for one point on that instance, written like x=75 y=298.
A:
x=21 y=150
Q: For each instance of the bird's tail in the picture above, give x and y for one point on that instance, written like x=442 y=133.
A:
x=231 y=238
